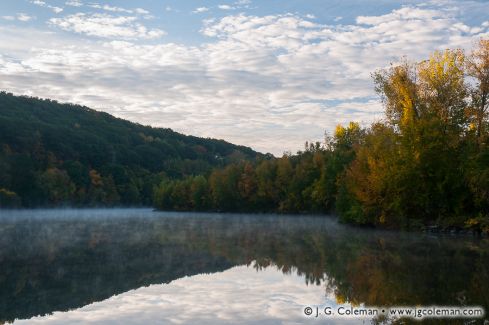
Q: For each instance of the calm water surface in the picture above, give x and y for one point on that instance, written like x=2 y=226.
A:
x=136 y=266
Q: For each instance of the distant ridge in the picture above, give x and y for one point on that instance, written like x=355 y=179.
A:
x=65 y=154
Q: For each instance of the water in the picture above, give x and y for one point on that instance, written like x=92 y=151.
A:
x=136 y=266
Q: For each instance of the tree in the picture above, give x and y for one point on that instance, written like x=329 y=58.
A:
x=58 y=186
x=247 y=187
x=478 y=69
x=200 y=197
x=399 y=92
x=443 y=89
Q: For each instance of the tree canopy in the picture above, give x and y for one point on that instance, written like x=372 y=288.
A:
x=55 y=154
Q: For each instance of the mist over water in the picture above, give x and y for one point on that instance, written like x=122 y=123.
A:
x=138 y=265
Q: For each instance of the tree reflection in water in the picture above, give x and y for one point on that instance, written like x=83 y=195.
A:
x=59 y=260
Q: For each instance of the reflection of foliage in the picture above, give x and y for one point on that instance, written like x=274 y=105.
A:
x=59 y=264
x=8 y=199
x=379 y=269
x=480 y=223
x=65 y=264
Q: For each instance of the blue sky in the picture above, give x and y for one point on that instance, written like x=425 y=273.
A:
x=267 y=74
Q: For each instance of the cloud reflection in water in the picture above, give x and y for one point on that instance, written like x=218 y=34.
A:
x=240 y=295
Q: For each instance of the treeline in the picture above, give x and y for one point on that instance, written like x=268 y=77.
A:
x=54 y=154
x=425 y=163
x=301 y=183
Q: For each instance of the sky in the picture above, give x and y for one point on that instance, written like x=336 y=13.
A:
x=267 y=74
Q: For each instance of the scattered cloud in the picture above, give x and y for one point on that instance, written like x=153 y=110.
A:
x=20 y=17
x=106 y=26
x=110 y=8
x=105 y=7
x=74 y=3
x=270 y=77
x=241 y=4
x=141 y=11
x=200 y=10
x=225 y=7
x=46 y=5
x=24 y=17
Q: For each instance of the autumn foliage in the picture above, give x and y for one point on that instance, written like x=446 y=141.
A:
x=425 y=163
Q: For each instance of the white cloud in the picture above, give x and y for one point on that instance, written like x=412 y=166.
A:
x=110 y=8
x=20 y=17
x=403 y=14
x=24 y=17
x=46 y=5
x=74 y=3
x=241 y=4
x=106 y=26
x=270 y=82
x=225 y=7
x=114 y=9
x=141 y=11
x=200 y=10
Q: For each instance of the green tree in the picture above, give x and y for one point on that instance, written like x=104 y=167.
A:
x=57 y=185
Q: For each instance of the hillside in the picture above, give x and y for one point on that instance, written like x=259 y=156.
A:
x=57 y=154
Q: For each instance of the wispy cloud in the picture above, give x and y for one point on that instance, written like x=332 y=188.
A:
x=105 y=7
x=241 y=4
x=20 y=17
x=110 y=8
x=46 y=5
x=74 y=3
x=106 y=26
x=200 y=10
x=225 y=7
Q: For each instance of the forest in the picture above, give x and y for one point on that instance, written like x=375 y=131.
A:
x=54 y=154
x=425 y=164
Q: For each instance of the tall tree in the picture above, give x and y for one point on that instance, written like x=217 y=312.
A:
x=478 y=69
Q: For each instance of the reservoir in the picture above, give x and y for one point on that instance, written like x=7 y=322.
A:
x=139 y=266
